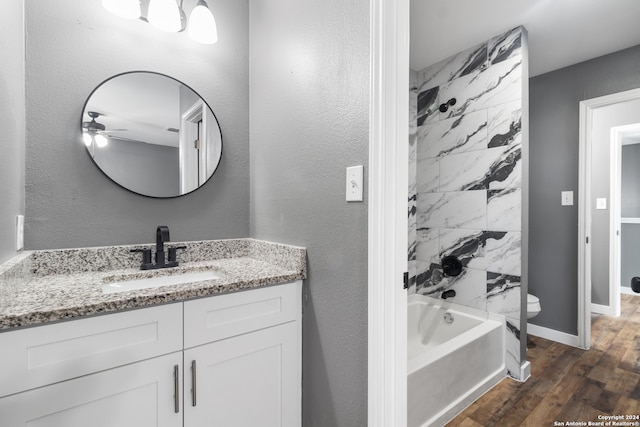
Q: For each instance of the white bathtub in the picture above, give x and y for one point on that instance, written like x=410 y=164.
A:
x=450 y=365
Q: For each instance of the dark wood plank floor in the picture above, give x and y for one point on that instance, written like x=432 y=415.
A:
x=569 y=384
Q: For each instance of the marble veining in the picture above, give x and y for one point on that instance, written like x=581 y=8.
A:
x=473 y=93
x=468 y=62
x=43 y=286
x=465 y=133
x=427 y=106
x=505 y=124
x=505 y=46
x=468 y=180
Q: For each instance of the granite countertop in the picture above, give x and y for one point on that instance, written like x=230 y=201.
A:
x=43 y=286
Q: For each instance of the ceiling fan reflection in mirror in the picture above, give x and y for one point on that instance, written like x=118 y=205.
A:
x=95 y=133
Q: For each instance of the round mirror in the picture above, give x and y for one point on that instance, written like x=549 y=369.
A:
x=151 y=134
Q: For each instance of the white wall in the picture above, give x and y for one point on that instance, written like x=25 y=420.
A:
x=12 y=123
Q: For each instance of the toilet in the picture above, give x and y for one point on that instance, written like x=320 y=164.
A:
x=533 y=306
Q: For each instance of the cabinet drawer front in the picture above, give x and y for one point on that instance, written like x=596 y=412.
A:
x=46 y=354
x=211 y=319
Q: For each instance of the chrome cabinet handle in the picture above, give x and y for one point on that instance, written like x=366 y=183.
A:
x=193 y=383
x=176 y=389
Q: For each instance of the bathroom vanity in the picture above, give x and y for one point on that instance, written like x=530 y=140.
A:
x=187 y=354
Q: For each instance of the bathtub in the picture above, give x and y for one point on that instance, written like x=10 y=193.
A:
x=450 y=365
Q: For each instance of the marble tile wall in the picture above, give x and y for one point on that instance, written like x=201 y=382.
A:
x=465 y=179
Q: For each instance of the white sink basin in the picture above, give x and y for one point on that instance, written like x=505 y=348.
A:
x=156 y=282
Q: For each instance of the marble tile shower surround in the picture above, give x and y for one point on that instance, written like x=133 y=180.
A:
x=465 y=180
x=49 y=285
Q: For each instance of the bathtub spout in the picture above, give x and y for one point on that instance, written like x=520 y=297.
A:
x=448 y=294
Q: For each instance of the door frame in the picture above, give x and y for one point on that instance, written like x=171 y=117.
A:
x=587 y=108
x=388 y=205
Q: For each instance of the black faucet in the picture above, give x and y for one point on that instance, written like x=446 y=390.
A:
x=162 y=236
x=448 y=294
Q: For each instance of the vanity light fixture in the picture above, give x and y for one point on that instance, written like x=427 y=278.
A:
x=168 y=15
x=165 y=15
x=202 y=24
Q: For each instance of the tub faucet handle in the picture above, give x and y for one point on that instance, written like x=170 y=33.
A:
x=448 y=294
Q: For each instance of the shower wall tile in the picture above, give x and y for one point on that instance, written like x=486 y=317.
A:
x=506 y=169
x=497 y=251
x=499 y=84
x=467 y=62
x=503 y=295
x=411 y=266
x=427 y=111
x=470 y=287
x=512 y=348
x=428 y=278
x=505 y=124
x=504 y=210
x=428 y=246
x=413 y=145
x=467 y=245
x=468 y=179
x=427 y=175
x=503 y=252
x=455 y=135
x=464 y=209
x=492 y=168
x=505 y=46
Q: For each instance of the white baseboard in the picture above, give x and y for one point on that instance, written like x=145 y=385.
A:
x=628 y=291
x=602 y=309
x=553 y=335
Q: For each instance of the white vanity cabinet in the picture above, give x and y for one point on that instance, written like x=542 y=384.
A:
x=228 y=360
x=242 y=359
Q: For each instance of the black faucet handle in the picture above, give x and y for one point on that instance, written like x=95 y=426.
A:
x=173 y=251
x=146 y=257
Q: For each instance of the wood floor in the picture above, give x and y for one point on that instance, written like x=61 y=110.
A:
x=568 y=384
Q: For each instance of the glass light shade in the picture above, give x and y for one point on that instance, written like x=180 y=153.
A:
x=86 y=138
x=165 y=15
x=101 y=141
x=128 y=9
x=202 y=25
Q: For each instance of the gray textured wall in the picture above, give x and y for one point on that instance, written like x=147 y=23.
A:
x=72 y=46
x=148 y=169
x=630 y=208
x=604 y=118
x=12 y=124
x=630 y=182
x=309 y=121
x=554 y=126
x=629 y=253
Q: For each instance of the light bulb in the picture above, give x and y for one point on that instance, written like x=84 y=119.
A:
x=165 y=15
x=128 y=9
x=86 y=138
x=202 y=24
x=101 y=141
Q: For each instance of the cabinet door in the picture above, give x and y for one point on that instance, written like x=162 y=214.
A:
x=245 y=381
x=136 y=395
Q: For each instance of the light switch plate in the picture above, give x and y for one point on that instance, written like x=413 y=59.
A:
x=355 y=177
x=567 y=198
x=601 y=203
x=19 y=232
